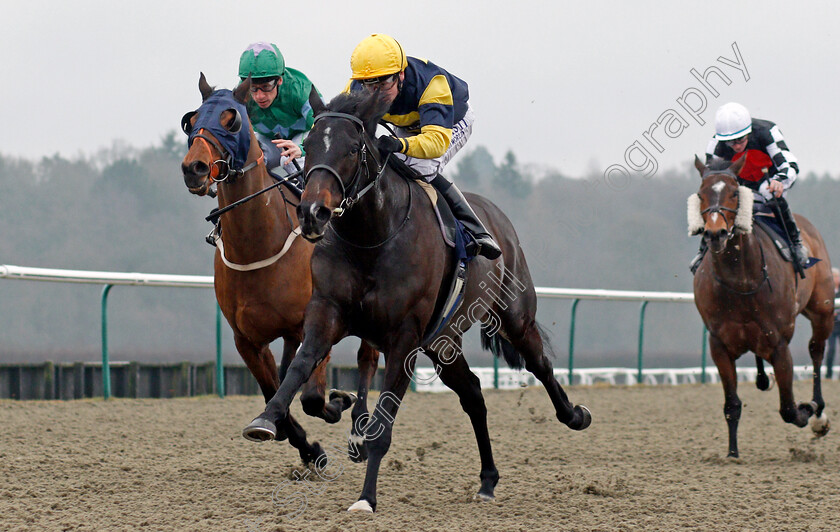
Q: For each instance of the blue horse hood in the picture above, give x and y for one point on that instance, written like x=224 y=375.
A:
x=237 y=143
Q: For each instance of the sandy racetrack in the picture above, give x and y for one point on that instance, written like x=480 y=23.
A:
x=653 y=459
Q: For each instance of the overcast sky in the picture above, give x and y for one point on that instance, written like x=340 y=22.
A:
x=568 y=85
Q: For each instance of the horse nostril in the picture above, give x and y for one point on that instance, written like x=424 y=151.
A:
x=721 y=233
x=195 y=169
x=322 y=214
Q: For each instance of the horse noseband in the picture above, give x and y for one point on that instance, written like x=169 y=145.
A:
x=349 y=194
x=717 y=209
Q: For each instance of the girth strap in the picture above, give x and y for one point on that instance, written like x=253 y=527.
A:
x=259 y=264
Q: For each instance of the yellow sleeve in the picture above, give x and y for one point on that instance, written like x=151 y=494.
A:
x=434 y=139
x=432 y=142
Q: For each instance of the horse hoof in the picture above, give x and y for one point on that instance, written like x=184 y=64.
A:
x=260 y=429
x=484 y=497
x=356 y=450
x=810 y=407
x=585 y=418
x=347 y=398
x=820 y=425
x=762 y=382
x=361 y=506
x=315 y=457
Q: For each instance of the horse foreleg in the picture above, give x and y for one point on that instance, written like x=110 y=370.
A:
x=313 y=396
x=456 y=375
x=377 y=433
x=725 y=363
x=324 y=328
x=367 y=359
x=260 y=363
x=789 y=410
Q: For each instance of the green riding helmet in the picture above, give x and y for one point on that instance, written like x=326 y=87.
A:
x=261 y=60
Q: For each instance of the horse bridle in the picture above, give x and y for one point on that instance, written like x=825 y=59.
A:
x=729 y=234
x=717 y=208
x=348 y=197
x=224 y=167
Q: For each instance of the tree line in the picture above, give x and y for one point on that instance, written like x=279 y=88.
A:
x=127 y=210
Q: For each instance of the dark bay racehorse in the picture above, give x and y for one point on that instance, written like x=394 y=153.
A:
x=749 y=297
x=262 y=273
x=378 y=270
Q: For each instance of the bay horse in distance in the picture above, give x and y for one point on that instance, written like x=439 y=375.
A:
x=262 y=274
x=377 y=271
x=749 y=297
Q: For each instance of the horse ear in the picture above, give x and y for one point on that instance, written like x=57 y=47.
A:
x=736 y=167
x=699 y=165
x=204 y=87
x=240 y=93
x=316 y=102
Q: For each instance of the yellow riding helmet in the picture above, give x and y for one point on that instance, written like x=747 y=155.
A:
x=376 y=56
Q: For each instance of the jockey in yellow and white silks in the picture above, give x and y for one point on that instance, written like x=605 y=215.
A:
x=431 y=115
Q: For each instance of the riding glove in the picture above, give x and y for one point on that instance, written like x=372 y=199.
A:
x=387 y=144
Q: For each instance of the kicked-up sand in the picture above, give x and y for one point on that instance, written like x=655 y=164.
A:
x=654 y=458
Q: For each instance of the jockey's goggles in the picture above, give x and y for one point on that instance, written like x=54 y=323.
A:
x=382 y=82
x=733 y=142
x=268 y=86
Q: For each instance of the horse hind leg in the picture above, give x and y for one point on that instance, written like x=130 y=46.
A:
x=797 y=414
x=821 y=327
x=529 y=342
x=458 y=377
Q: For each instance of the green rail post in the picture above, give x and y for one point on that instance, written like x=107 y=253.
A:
x=572 y=342
x=641 y=339
x=703 y=356
x=495 y=373
x=106 y=368
x=220 y=368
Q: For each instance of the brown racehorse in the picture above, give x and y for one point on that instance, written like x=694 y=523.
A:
x=261 y=290
x=378 y=270
x=749 y=297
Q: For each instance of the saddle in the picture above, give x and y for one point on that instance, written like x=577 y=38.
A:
x=454 y=236
x=765 y=218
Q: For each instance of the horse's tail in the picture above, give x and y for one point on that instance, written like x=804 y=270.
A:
x=501 y=347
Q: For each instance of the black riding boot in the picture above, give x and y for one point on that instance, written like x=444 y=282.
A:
x=789 y=223
x=487 y=247
x=695 y=262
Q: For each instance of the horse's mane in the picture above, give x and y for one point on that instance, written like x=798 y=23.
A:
x=370 y=107
x=346 y=102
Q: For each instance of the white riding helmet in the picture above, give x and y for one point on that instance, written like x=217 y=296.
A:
x=732 y=121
